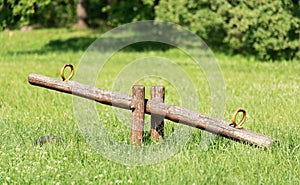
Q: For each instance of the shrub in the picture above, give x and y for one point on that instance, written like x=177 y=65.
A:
x=46 y=13
x=269 y=29
x=125 y=11
x=19 y=12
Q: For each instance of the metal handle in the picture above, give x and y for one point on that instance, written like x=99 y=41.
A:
x=240 y=124
x=62 y=72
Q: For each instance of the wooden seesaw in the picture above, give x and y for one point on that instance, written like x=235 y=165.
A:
x=154 y=107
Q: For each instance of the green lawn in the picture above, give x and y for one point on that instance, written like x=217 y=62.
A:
x=268 y=90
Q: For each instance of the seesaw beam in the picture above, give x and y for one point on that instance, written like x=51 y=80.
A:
x=171 y=112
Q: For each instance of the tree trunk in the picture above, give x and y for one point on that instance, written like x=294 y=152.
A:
x=82 y=14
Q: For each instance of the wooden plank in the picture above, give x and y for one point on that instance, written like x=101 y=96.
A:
x=157 y=122
x=71 y=87
x=138 y=114
x=170 y=112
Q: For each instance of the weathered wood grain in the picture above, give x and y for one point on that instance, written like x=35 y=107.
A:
x=157 y=94
x=138 y=114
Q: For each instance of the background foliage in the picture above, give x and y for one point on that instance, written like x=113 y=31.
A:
x=268 y=29
x=16 y=13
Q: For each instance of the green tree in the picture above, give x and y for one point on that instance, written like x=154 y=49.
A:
x=19 y=11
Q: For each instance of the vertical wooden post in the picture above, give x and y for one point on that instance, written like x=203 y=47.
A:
x=138 y=114
x=157 y=122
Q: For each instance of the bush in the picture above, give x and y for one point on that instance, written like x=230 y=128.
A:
x=19 y=12
x=266 y=28
x=125 y=11
x=56 y=13
x=46 y=13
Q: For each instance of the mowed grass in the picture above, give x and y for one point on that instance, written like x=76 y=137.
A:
x=269 y=91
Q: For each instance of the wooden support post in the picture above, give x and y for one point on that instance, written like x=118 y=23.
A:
x=157 y=122
x=138 y=114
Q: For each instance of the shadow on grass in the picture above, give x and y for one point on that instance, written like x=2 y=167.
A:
x=83 y=43
x=80 y=44
x=73 y=44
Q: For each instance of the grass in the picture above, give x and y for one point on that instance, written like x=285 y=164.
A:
x=268 y=91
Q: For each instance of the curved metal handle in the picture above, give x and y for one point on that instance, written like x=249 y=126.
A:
x=62 y=72
x=240 y=124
